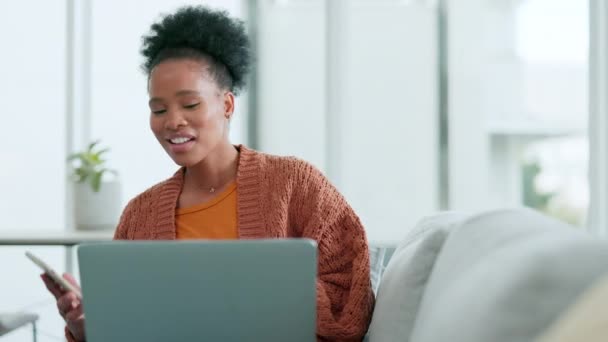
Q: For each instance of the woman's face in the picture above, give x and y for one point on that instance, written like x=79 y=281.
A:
x=189 y=113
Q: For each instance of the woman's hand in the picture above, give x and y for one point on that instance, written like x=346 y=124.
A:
x=69 y=305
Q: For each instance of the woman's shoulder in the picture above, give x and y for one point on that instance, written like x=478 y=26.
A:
x=294 y=172
x=284 y=165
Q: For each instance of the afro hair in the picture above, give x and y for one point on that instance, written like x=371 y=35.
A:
x=199 y=32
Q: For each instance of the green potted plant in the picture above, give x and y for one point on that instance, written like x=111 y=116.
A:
x=97 y=190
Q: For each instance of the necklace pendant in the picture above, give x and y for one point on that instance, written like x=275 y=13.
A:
x=211 y=190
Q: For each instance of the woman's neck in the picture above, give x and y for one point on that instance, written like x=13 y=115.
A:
x=216 y=170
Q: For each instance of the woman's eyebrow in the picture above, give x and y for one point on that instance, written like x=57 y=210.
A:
x=187 y=92
x=179 y=93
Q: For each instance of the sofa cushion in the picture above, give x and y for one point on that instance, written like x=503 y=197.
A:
x=506 y=276
x=405 y=277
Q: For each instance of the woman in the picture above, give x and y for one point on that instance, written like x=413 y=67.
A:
x=196 y=61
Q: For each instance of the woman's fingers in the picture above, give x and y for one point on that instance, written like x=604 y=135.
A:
x=71 y=280
x=75 y=322
x=52 y=286
x=74 y=315
x=67 y=303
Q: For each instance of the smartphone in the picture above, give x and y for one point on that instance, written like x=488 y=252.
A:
x=53 y=275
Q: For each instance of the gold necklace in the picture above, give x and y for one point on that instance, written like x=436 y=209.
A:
x=212 y=189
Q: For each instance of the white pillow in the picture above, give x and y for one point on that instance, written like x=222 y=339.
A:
x=405 y=278
x=505 y=276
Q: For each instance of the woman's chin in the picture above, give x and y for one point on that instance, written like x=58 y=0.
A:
x=185 y=161
x=188 y=158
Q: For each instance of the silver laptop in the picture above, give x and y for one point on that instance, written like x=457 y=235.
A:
x=245 y=290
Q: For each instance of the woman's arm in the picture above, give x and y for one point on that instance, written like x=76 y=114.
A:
x=344 y=295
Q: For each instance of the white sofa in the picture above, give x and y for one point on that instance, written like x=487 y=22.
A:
x=501 y=276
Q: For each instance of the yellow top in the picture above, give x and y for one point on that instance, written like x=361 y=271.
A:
x=215 y=219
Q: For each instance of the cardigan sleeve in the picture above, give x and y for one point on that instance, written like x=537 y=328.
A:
x=344 y=295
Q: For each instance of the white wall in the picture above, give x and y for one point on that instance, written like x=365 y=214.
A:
x=388 y=163
x=379 y=143
x=469 y=157
x=291 y=79
x=33 y=105
x=598 y=123
x=33 y=177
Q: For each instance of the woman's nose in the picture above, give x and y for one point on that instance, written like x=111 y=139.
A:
x=175 y=120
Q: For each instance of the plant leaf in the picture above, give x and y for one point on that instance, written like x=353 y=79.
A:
x=92 y=146
x=111 y=171
x=96 y=181
x=102 y=151
x=74 y=156
x=88 y=165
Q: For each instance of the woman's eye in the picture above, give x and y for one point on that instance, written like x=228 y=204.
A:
x=192 y=106
x=160 y=111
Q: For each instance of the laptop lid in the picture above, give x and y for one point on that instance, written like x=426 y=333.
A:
x=243 y=290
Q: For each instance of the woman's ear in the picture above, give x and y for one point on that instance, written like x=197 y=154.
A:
x=228 y=104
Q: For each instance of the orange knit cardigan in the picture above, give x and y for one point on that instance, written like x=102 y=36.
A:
x=281 y=197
